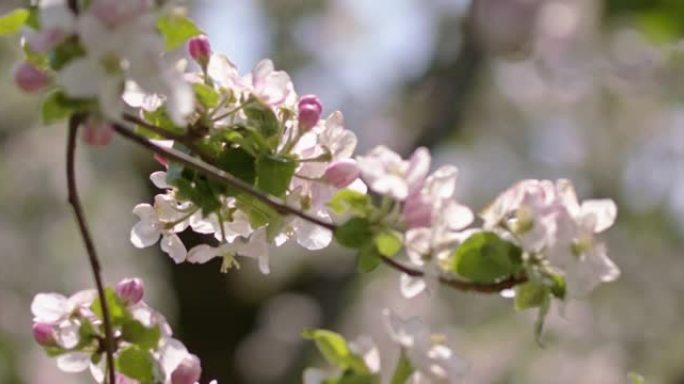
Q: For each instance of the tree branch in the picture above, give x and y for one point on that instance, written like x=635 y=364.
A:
x=219 y=175
x=95 y=267
x=282 y=208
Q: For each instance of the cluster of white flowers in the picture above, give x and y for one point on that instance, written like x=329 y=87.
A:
x=320 y=148
x=430 y=359
x=550 y=224
x=71 y=329
x=108 y=46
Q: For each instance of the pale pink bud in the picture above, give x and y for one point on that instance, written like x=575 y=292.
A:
x=29 y=78
x=417 y=211
x=97 y=133
x=43 y=333
x=341 y=173
x=310 y=109
x=131 y=291
x=199 y=49
x=188 y=371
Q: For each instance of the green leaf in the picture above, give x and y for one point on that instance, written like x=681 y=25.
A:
x=403 y=370
x=530 y=295
x=388 y=243
x=485 y=258
x=355 y=233
x=160 y=118
x=206 y=95
x=351 y=377
x=55 y=109
x=335 y=350
x=238 y=163
x=259 y=213
x=118 y=312
x=65 y=53
x=350 y=201
x=635 y=378
x=262 y=118
x=558 y=288
x=176 y=29
x=368 y=258
x=136 y=333
x=274 y=174
x=136 y=363
x=12 y=22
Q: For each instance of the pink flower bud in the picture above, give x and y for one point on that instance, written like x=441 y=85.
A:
x=43 y=333
x=310 y=109
x=131 y=291
x=341 y=173
x=97 y=133
x=188 y=371
x=200 y=49
x=29 y=78
x=417 y=211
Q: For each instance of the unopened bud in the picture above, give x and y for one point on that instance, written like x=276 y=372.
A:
x=310 y=109
x=200 y=49
x=341 y=173
x=29 y=78
x=188 y=371
x=131 y=291
x=97 y=132
x=43 y=333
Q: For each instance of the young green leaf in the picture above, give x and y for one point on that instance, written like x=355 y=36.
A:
x=176 y=29
x=238 y=163
x=403 y=370
x=274 y=174
x=54 y=108
x=368 y=258
x=262 y=118
x=206 y=95
x=530 y=295
x=355 y=233
x=136 y=333
x=118 y=312
x=335 y=350
x=350 y=201
x=485 y=258
x=12 y=22
x=388 y=243
x=136 y=363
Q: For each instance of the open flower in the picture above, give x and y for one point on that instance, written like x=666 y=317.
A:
x=165 y=219
x=432 y=360
x=386 y=173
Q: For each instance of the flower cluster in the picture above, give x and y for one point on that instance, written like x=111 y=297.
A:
x=256 y=127
x=93 y=56
x=424 y=356
x=71 y=329
x=556 y=232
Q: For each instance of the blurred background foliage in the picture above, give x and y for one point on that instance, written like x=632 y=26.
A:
x=504 y=89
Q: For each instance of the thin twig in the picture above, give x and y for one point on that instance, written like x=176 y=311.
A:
x=219 y=175
x=95 y=267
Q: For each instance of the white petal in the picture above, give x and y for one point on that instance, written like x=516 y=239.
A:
x=411 y=286
x=48 y=307
x=314 y=376
x=82 y=78
x=311 y=236
x=159 y=180
x=144 y=234
x=457 y=216
x=73 y=362
x=172 y=353
x=419 y=166
x=67 y=334
x=202 y=253
x=603 y=210
x=173 y=245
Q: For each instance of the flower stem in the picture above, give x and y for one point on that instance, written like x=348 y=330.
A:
x=95 y=267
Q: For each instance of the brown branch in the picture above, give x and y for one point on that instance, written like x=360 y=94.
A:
x=95 y=267
x=219 y=175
